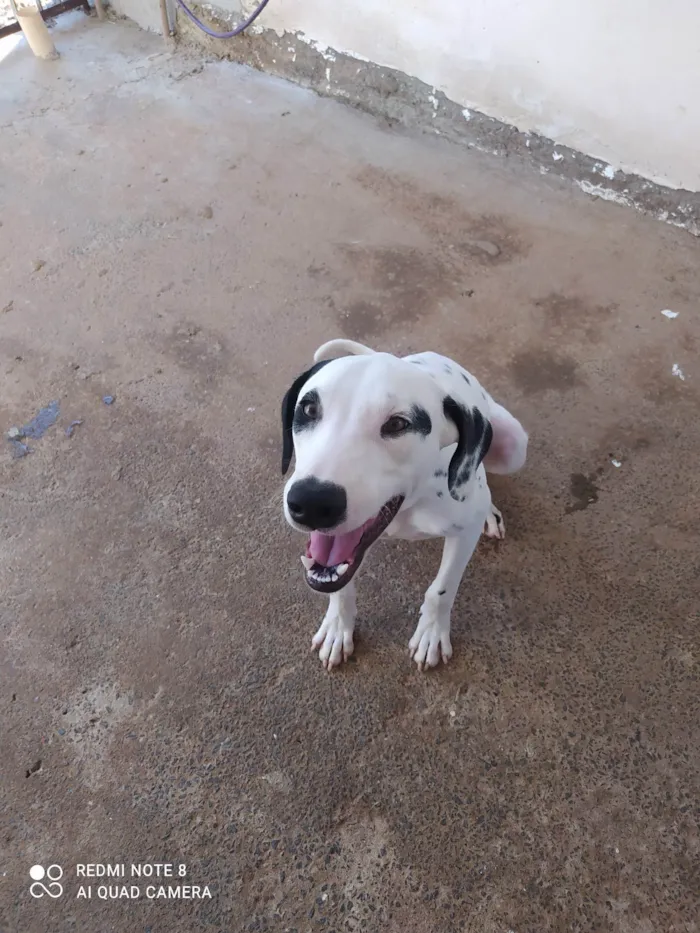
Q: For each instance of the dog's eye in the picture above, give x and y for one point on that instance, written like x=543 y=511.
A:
x=310 y=410
x=395 y=425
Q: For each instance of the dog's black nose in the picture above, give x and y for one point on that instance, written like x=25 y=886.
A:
x=317 y=505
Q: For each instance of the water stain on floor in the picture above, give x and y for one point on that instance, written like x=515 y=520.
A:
x=540 y=370
x=406 y=285
x=584 y=492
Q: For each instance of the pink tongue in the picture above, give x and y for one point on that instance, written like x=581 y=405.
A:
x=329 y=550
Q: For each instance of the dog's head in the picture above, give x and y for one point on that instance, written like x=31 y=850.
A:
x=366 y=431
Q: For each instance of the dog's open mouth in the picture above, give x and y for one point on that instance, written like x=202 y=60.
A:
x=331 y=561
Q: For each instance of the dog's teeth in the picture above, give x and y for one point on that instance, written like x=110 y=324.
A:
x=324 y=574
x=308 y=562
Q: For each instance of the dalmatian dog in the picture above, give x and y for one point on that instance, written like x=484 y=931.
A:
x=397 y=447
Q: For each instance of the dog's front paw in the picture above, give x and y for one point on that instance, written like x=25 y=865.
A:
x=431 y=640
x=333 y=640
x=495 y=526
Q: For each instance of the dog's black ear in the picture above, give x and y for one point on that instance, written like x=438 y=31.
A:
x=473 y=434
x=289 y=403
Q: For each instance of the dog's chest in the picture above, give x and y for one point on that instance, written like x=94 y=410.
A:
x=436 y=514
x=416 y=524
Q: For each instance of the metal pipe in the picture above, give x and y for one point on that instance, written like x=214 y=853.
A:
x=165 y=20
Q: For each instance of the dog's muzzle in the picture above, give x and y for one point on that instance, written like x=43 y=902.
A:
x=331 y=561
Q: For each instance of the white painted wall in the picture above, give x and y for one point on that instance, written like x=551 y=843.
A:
x=144 y=12
x=617 y=79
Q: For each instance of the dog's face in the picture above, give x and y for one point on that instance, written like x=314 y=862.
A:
x=366 y=431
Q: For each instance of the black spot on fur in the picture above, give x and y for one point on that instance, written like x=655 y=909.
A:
x=440 y=473
x=448 y=369
x=466 y=379
x=421 y=420
x=474 y=437
x=417 y=362
x=439 y=494
x=441 y=592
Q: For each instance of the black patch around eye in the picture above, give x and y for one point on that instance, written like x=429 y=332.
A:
x=396 y=426
x=288 y=407
x=420 y=421
x=302 y=421
x=466 y=379
x=417 y=422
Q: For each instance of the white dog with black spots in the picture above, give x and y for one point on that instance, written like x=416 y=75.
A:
x=397 y=447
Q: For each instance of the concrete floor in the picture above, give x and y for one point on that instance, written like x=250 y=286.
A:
x=182 y=235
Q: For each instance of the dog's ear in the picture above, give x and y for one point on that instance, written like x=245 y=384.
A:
x=341 y=347
x=289 y=403
x=473 y=434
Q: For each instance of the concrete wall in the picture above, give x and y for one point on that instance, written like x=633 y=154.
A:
x=618 y=80
x=144 y=12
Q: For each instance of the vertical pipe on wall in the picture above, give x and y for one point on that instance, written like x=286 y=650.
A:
x=165 y=20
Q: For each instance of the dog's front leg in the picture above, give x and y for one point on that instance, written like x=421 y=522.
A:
x=431 y=639
x=334 y=638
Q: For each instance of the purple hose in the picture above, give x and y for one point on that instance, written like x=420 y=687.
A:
x=224 y=35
